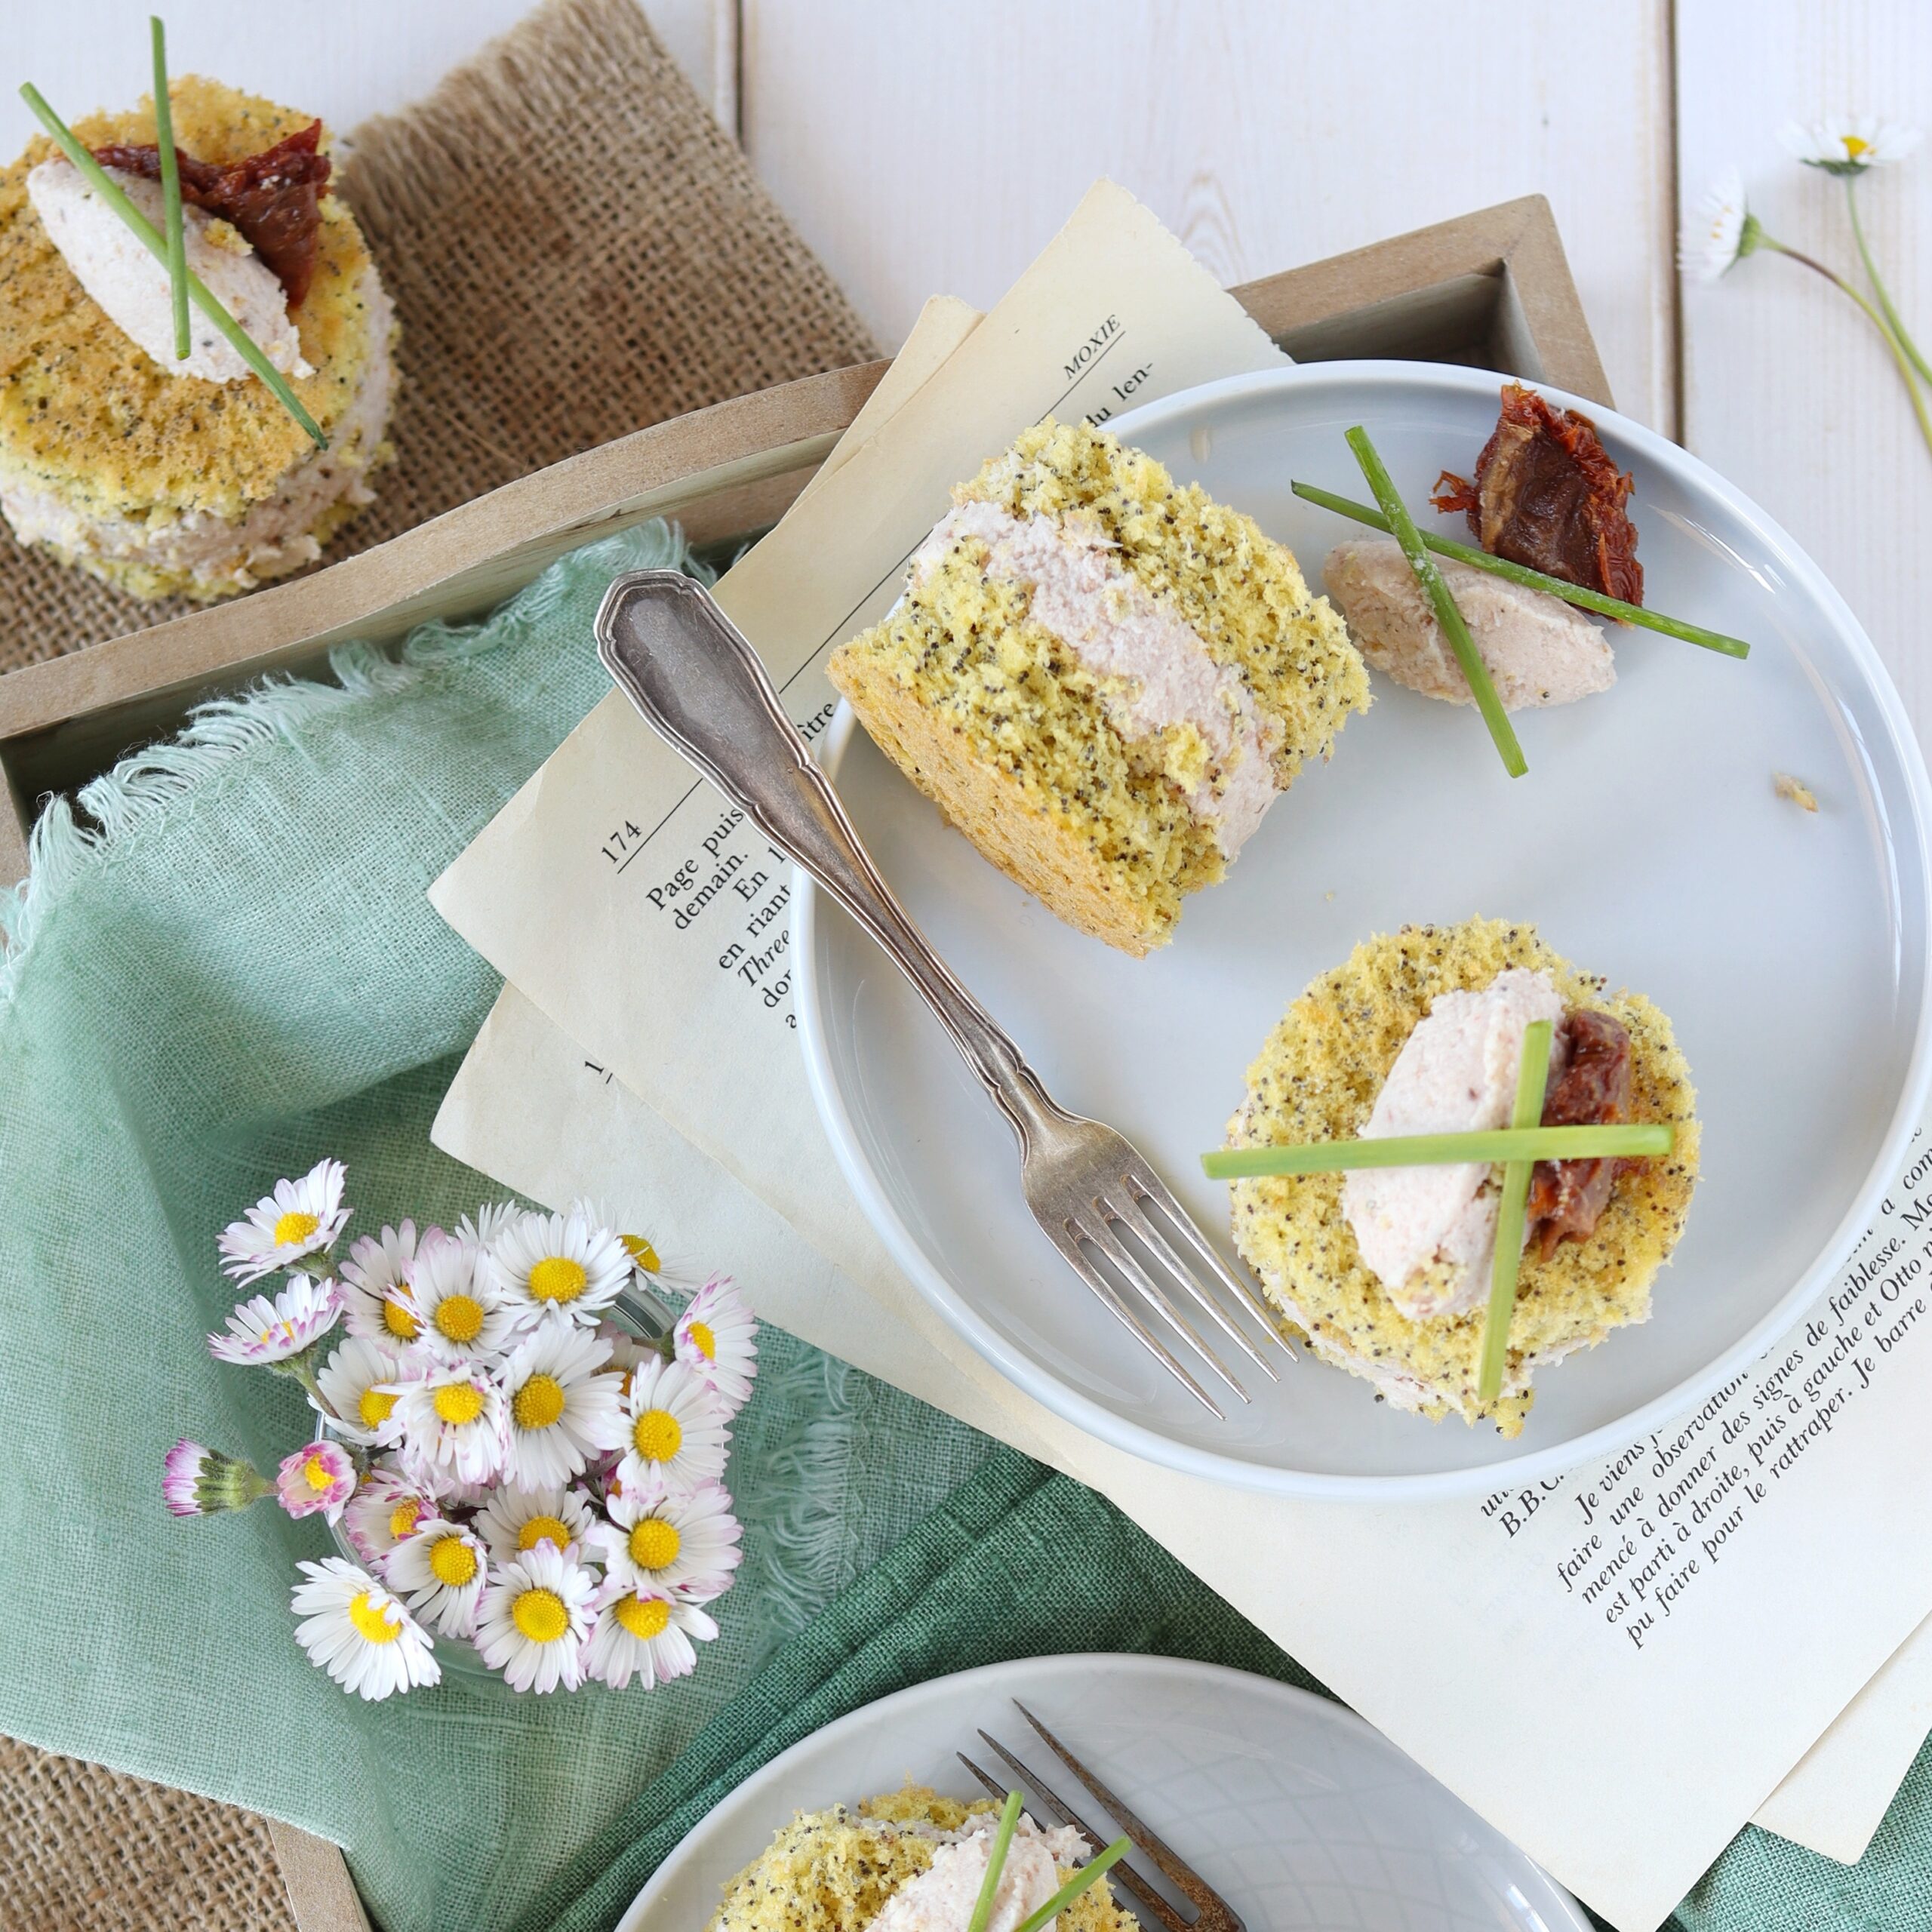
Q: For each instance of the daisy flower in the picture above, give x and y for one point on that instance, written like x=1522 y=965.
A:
x=319 y=1477
x=534 y=1617
x=1849 y=144
x=300 y=1218
x=643 y=1633
x=491 y=1219
x=716 y=1338
x=354 y=1629
x=387 y=1509
x=353 y=1384
x=562 y=1268
x=451 y=1422
x=441 y=1569
x=659 y=1539
x=675 y=1429
x=261 y=1331
x=1720 y=231
x=515 y=1520
x=375 y=1283
x=564 y=1409
x=200 y=1481
x=458 y=1304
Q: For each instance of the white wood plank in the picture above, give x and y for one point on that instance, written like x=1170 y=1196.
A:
x=925 y=149
x=356 y=57
x=1788 y=390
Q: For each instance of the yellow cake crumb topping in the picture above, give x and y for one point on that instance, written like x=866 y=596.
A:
x=1317 y=1079
x=88 y=416
x=832 y=1870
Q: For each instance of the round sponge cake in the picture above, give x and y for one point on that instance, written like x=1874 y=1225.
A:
x=166 y=485
x=1317 y=1079
x=832 y=1870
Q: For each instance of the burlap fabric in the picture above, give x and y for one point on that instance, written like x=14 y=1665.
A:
x=575 y=249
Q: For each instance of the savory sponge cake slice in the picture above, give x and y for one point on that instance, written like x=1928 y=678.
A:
x=1343 y=1052
x=1102 y=679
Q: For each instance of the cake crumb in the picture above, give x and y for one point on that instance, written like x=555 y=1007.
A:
x=1788 y=787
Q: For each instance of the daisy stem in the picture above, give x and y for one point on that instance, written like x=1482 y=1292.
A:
x=1878 y=288
x=302 y=1368
x=1906 y=374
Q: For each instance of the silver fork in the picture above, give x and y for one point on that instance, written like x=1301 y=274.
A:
x=1212 y=1912
x=701 y=686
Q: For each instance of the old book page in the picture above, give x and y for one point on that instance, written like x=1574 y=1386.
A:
x=1629 y=1629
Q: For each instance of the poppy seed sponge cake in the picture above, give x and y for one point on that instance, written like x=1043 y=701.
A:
x=1319 y=1078
x=163 y=483
x=837 y=1870
x=1102 y=679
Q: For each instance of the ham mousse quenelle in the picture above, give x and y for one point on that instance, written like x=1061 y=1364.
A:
x=1437 y=1267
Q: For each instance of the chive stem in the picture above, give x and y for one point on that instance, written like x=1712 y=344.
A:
x=1629 y=1140
x=171 y=191
x=1532 y=1077
x=1078 y=1886
x=145 y=232
x=982 y=1906
x=1474 y=670
x=1571 y=593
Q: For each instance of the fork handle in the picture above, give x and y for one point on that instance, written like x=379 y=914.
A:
x=703 y=688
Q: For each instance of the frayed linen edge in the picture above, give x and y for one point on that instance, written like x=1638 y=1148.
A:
x=138 y=794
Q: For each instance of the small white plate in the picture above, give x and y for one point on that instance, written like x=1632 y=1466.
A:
x=1789 y=950
x=1291 y=1807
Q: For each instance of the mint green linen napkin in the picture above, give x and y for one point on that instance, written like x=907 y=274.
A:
x=238 y=974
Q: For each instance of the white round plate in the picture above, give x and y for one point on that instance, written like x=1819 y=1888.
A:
x=1293 y=1809
x=1646 y=842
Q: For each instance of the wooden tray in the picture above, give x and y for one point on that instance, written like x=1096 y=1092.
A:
x=1492 y=289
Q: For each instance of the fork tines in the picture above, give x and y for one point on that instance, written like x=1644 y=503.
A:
x=1212 y=1912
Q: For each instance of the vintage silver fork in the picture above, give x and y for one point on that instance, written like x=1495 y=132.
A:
x=1212 y=1912
x=700 y=684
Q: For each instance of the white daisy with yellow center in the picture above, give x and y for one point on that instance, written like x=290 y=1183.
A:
x=560 y=1268
x=450 y=1422
x=300 y=1218
x=716 y=1338
x=356 y=1631
x=658 y=1538
x=441 y=1569
x=563 y=1407
x=1720 y=230
x=387 y=1509
x=376 y=1296
x=354 y=1384
x=1849 y=144
x=460 y=1310
x=514 y=1521
x=534 y=1617
x=262 y=1331
x=644 y=1633
x=674 y=1429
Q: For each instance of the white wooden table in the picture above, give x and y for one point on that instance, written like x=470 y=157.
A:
x=921 y=147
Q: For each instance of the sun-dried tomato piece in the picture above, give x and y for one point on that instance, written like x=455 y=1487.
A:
x=1547 y=494
x=1592 y=1087
x=273 y=197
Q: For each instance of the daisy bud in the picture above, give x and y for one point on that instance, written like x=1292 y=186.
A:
x=320 y=1477
x=199 y=1481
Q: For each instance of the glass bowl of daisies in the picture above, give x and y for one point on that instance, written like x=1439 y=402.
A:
x=520 y=1447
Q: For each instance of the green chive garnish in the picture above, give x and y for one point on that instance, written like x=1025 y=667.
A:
x=1532 y=1075
x=144 y=232
x=1642 y=1140
x=171 y=191
x=1474 y=670
x=1571 y=593
x=1082 y=1882
x=982 y=1908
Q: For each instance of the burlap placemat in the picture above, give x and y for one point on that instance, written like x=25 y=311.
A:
x=576 y=249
